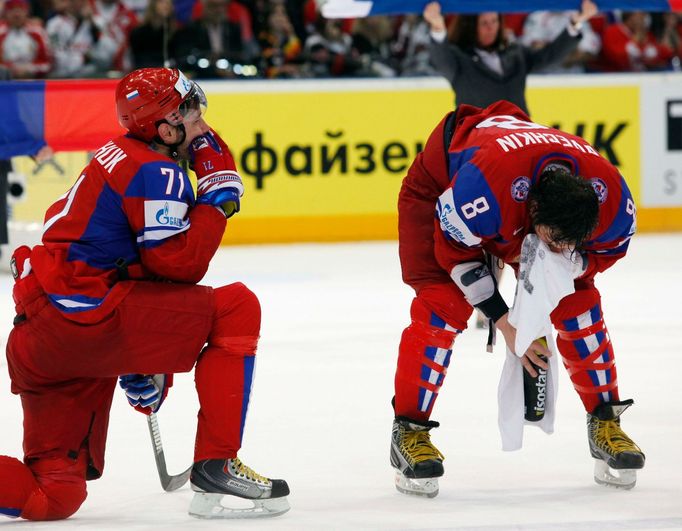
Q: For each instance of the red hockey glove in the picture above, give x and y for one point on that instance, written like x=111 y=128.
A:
x=218 y=183
x=146 y=392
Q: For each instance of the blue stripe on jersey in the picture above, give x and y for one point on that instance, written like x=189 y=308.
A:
x=624 y=223
x=11 y=512
x=75 y=303
x=459 y=159
x=475 y=202
x=436 y=321
x=167 y=193
x=107 y=236
x=163 y=180
x=249 y=365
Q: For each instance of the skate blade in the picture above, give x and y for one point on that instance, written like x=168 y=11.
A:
x=210 y=506
x=424 y=487
x=621 y=479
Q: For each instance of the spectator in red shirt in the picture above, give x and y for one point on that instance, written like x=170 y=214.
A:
x=629 y=46
x=24 y=48
x=113 y=23
x=667 y=28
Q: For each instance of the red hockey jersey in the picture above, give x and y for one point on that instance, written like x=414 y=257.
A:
x=480 y=185
x=130 y=215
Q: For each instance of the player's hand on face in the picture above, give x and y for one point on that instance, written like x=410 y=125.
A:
x=192 y=131
x=218 y=183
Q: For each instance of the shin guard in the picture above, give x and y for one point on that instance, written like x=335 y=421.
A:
x=587 y=354
x=423 y=360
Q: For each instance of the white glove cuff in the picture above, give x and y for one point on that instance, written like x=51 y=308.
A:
x=220 y=179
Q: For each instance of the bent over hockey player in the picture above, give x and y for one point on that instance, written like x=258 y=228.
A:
x=486 y=179
x=112 y=292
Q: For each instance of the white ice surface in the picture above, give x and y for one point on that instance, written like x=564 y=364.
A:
x=320 y=413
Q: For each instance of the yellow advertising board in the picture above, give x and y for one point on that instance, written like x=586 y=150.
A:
x=325 y=165
x=606 y=117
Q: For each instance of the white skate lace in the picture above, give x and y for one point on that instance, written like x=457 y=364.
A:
x=244 y=471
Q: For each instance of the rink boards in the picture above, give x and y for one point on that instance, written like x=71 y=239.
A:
x=323 y=160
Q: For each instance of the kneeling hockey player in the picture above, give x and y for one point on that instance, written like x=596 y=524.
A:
x=112 y=292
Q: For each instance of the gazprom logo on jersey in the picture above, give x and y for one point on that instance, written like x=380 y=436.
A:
x=169 y=214
x=450 y=221
x=445 y=211
x=163 y=217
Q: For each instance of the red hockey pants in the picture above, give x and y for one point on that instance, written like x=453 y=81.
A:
x=66 y=374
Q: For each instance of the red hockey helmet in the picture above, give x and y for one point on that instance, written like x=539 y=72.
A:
x=148 y=96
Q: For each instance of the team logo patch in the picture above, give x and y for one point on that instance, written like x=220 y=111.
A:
x=600 y=189
x=166 y=214
x=183 y=85
x=520 y=188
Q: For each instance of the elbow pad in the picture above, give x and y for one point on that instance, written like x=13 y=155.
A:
x=479 y=288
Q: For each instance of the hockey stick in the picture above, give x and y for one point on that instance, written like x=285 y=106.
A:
x=168 y=482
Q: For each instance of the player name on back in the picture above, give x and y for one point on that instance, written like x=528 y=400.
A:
x=514 y=141
x=109 y=155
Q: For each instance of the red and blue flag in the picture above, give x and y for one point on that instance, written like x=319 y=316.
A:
x=67 y=115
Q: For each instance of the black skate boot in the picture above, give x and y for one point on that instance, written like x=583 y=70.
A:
x=417 y=461
x=617 y=456
x=214 y=479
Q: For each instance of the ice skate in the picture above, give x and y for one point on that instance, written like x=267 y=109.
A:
x=617 y=457
x=417 y=461
x=225 y=480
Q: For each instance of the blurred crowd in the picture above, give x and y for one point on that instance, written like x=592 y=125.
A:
x=290 y=39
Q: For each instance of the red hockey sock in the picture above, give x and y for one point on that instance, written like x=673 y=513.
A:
x=423 y=360
x=224 y=373
x=587 y=353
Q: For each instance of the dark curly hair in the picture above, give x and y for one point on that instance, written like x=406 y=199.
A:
x=566 y=204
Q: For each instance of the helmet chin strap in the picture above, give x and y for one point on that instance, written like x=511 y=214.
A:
x=174 y=146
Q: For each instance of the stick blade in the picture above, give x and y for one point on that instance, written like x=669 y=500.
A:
x=169 y=483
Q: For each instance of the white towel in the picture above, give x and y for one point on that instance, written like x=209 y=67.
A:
x=544 y=279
